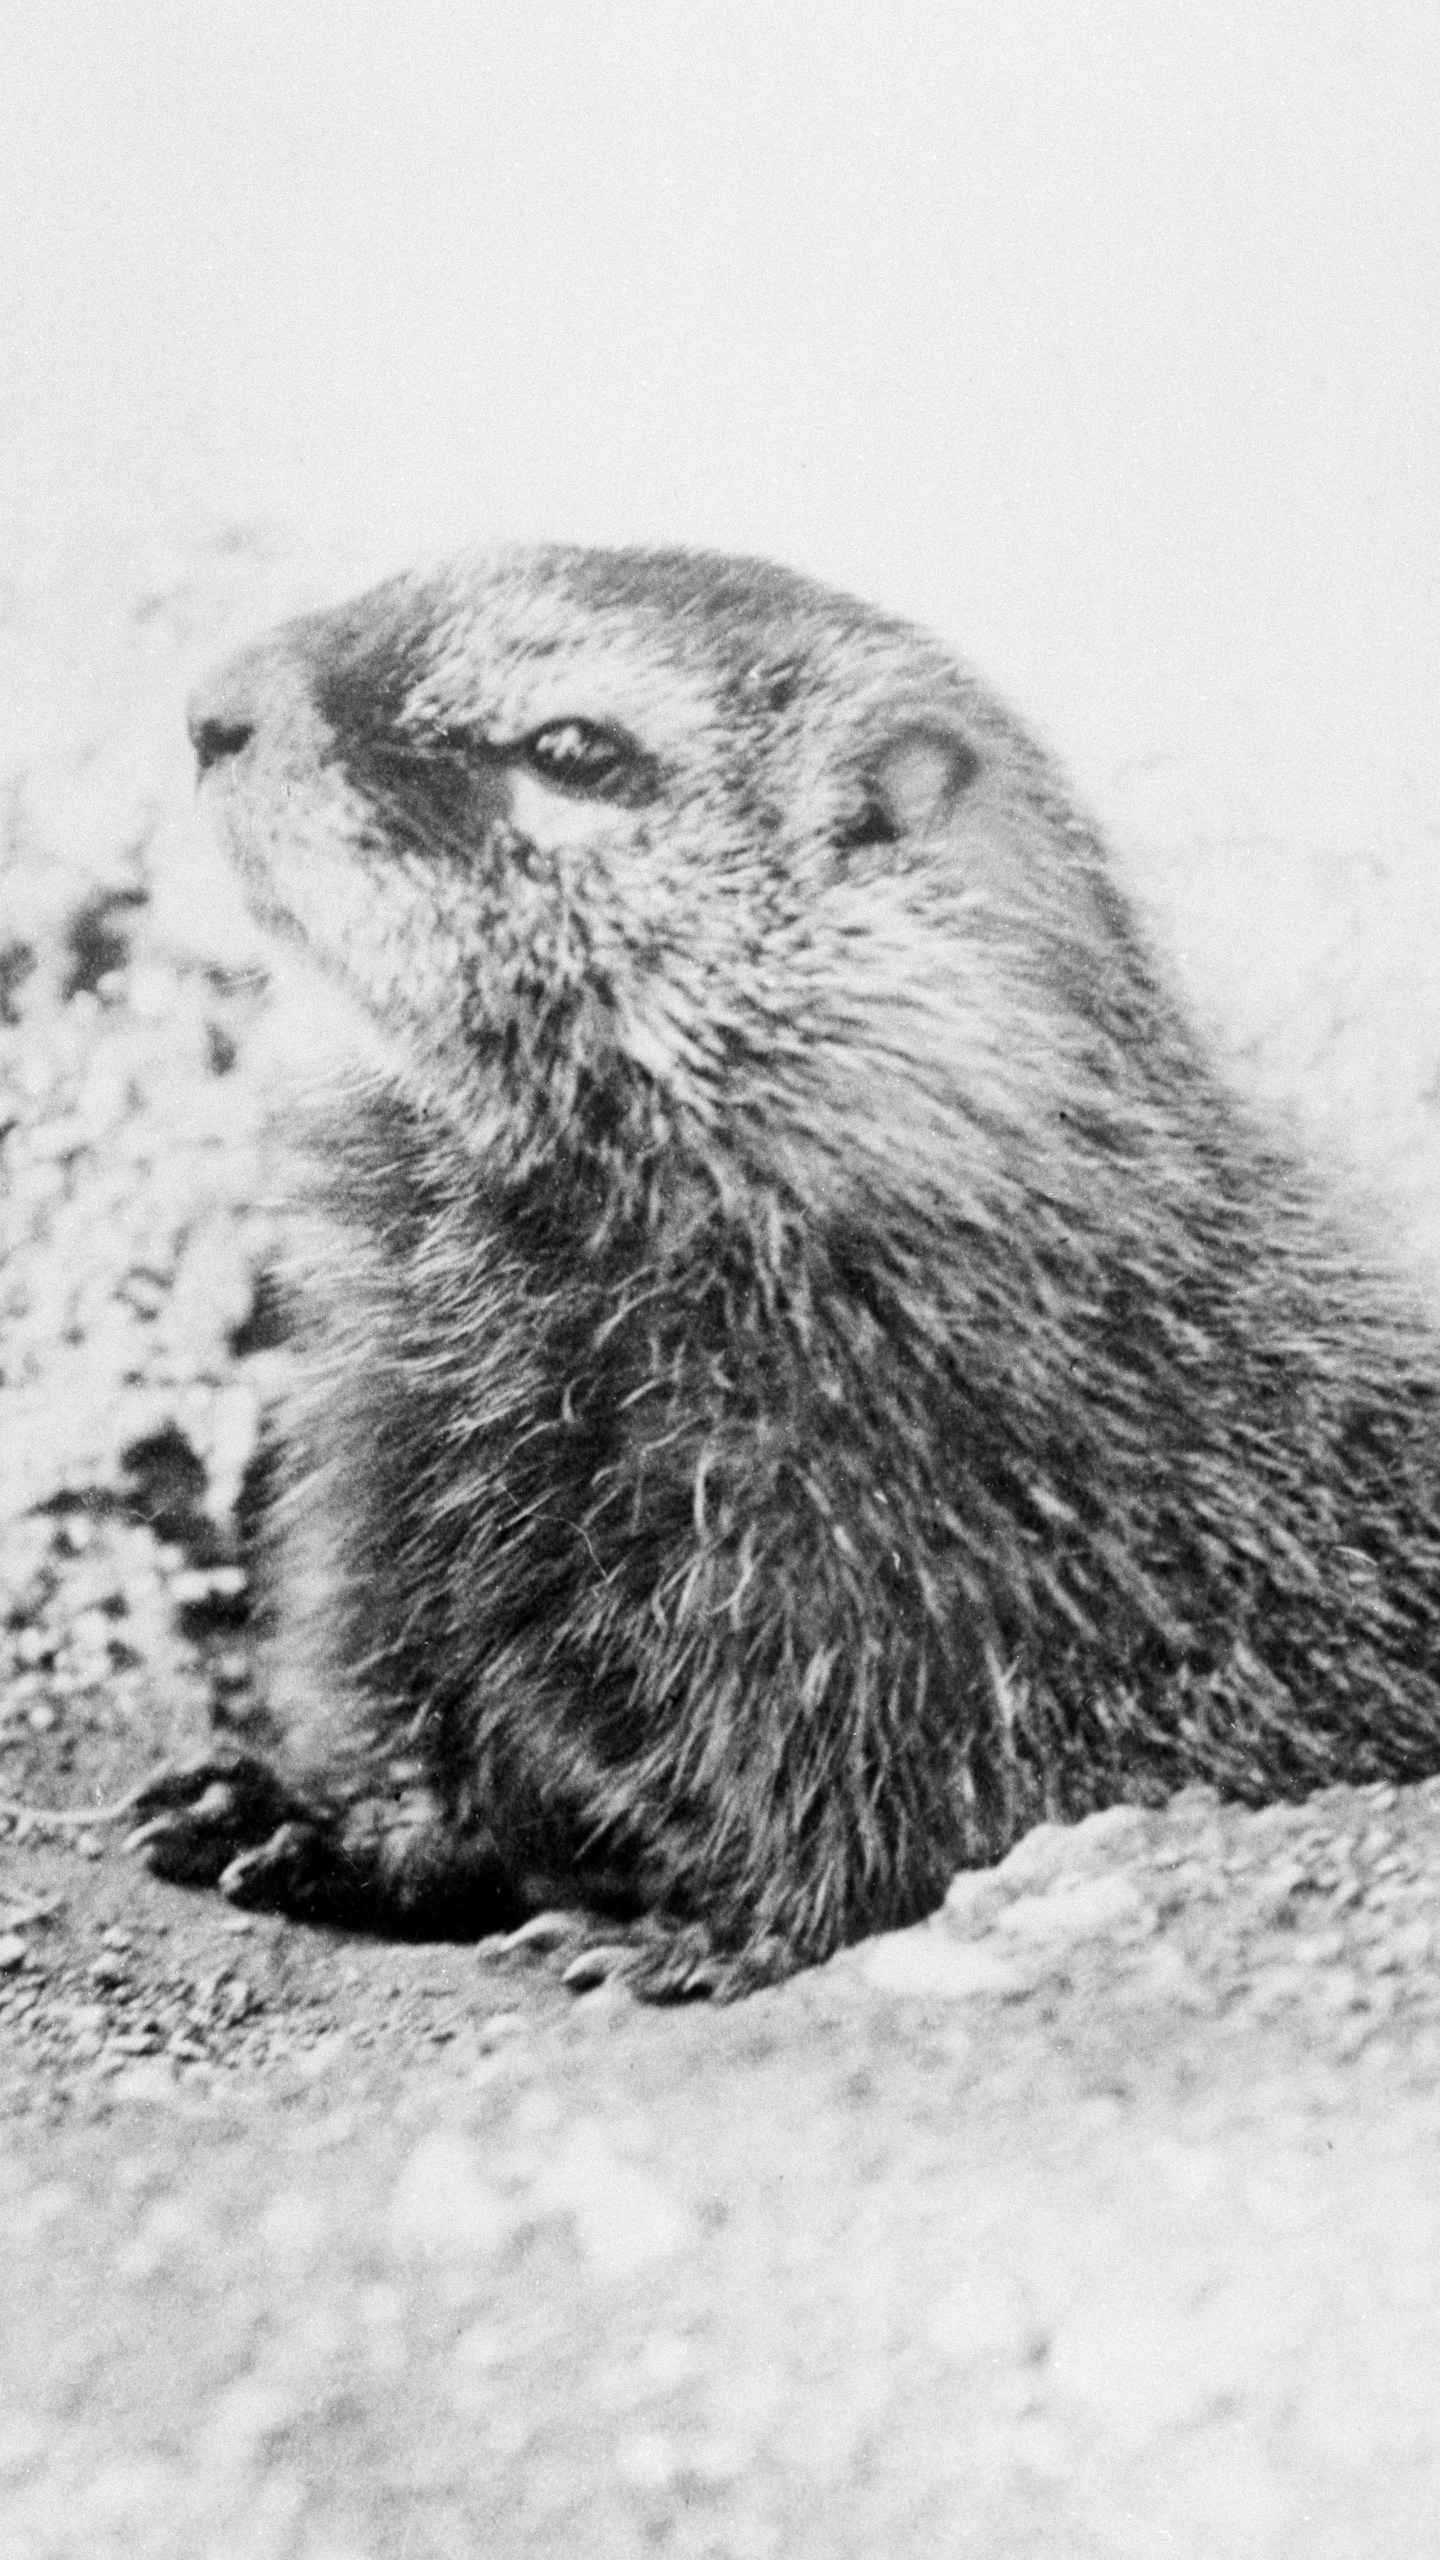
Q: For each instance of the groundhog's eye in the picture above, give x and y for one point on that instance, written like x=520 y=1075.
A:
x=582 y=755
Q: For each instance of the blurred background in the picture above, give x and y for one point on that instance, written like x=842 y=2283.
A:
x=1105 y=339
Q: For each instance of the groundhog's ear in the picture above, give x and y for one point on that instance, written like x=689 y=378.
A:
x=910 y=785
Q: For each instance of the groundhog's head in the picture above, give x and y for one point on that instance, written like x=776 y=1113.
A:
x=654 y=852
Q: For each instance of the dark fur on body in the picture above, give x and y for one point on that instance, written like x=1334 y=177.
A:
x=808 y=1373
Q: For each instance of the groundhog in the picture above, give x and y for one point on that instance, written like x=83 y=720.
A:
x=806 y=1369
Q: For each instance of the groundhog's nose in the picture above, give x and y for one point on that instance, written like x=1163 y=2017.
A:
x=223 y=712
x=214 y=735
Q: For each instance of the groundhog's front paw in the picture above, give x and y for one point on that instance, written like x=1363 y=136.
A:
x=302 y=1868
x=684 y=1963
x=199 y=1818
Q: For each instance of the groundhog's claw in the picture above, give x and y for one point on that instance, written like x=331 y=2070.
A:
x=606 y=1962
x=297 y=1869
x=678 y=1964
x=196 y=1815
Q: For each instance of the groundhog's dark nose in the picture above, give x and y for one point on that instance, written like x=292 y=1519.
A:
x=231 y=703
x=214 y=737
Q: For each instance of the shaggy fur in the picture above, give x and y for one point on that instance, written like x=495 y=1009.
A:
x=807 y=1371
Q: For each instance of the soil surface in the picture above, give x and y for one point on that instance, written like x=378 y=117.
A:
x=1101 y=2215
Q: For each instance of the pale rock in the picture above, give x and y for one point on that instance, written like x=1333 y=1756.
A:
x=442 y=2204
x=985 y=2321
x=928 y=1964
x=1091 y=1907
x=623 y=2218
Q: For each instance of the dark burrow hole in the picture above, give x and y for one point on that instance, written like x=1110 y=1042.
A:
x=94 y=942
x=167 y=1484
x=265 y=1324
x=16 y=962
x=166 y=1489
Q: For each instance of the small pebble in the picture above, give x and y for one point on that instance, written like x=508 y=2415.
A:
x=590 y=1970
x=501 y=2029
x=23 y=2446
x=647 y=2461
x=985 y=2321
x=548 y=1929
x=244 y=2420
x=210 y=1582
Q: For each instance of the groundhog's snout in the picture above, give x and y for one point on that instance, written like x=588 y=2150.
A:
x=264 y=691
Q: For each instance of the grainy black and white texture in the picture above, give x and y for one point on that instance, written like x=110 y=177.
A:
x=806 y=1369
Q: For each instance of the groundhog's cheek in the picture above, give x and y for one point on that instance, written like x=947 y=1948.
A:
x=658 y=1035
x=676 y=990
x=915 y=1057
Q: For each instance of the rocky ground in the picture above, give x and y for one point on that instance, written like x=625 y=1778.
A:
x=1100 y=2216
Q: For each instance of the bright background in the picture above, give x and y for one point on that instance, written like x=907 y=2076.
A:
x=1106 y=338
